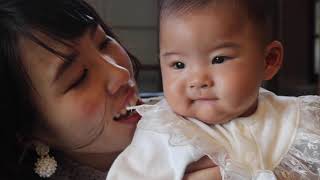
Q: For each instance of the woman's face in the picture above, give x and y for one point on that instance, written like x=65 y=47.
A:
x=82 y=102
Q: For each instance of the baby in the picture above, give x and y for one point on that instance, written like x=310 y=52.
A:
x=214 y=55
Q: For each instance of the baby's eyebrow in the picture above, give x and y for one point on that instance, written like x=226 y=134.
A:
x=223 y=45
x=165 y=54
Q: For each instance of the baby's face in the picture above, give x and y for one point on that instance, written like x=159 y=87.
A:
x=212 y=64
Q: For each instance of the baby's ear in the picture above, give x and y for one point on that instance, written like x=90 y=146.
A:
x=273 y=59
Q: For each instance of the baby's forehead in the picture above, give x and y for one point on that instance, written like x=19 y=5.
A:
x=176 y=7
x=230 y=14
x=230 y=10
x=257 y=11
x=218 y=16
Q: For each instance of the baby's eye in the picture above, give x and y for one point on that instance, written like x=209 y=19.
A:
x=178 y=65
x=219 y=59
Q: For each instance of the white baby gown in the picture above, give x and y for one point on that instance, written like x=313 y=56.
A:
x=281 y=140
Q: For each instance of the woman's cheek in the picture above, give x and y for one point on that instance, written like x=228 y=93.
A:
x=83 y=111
x=92 y=111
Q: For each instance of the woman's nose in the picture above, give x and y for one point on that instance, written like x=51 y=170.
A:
x=117 y=76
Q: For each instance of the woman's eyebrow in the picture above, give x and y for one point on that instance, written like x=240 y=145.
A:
x=71 y=60
x=93 y=31
x=67 y=63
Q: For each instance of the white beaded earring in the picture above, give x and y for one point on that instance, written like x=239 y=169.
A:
x=45 y=165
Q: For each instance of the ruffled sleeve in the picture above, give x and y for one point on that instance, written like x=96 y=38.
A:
x=303 y=158
x=161 y=147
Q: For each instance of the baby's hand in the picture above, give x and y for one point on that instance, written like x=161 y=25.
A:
x=202 y=169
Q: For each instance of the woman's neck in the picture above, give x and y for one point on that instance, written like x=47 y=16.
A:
x=99 y=161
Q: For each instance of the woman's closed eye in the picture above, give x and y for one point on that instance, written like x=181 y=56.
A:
x=78 y=81
x=104 y=44
x=220 y=59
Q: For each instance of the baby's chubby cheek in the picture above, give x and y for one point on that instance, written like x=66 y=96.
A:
x=179 y=106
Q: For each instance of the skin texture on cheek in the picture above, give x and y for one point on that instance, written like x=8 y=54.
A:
x=172 y=86
x=74 y=121
x=92 y=110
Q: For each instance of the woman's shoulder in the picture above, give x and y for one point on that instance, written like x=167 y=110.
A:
x=69 y=169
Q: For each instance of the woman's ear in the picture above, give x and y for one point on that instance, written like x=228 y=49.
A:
x=273 y=59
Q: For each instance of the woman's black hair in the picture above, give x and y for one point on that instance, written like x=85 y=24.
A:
x=58 y=19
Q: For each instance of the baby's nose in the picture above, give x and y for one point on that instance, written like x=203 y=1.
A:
x=200 y=83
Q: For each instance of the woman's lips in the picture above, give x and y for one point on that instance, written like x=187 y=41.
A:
x=133 y=118
x=130 y=94
x=130 y=99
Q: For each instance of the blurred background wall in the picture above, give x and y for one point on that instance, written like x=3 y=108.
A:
x=296 y=24
x=136 y=24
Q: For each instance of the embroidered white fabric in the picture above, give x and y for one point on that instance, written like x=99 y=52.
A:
x=302 y=161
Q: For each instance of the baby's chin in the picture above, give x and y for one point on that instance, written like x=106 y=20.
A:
x=213 y=119
x=213 y=122
x=206 y=115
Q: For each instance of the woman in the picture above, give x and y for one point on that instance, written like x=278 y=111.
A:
x=66 y=84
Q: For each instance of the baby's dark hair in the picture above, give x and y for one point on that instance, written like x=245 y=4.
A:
x=259 y=12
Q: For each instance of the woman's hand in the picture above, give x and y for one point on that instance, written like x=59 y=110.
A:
x=202 y=169
x=203 y=174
